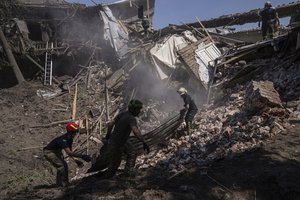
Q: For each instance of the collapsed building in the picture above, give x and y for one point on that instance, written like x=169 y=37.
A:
x=248 y=89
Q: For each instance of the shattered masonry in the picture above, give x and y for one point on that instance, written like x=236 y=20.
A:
x=248 y=89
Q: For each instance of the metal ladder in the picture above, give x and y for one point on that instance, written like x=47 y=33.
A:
x=48 y=64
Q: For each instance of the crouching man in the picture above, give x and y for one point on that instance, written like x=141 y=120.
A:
x=53 y=153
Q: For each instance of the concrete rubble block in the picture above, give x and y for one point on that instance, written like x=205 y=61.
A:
x=276 y=128
x=298 y=107
x=118 y=75
x=260 y=95
x=227 y=131
x=278 y=112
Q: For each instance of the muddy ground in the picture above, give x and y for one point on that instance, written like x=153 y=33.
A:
x=270 y=171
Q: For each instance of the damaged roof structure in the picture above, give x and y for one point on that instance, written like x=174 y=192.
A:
x=70 y=26
x=63 y=61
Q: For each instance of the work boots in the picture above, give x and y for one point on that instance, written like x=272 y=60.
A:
x=189 y=128
x=130 y=163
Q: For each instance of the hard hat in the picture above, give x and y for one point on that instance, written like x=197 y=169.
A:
x=72 y=127
x=268 y=3
x=182 y=91
x=134 y=103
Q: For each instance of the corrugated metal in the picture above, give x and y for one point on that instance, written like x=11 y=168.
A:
x=188 y=56
x=208 y=53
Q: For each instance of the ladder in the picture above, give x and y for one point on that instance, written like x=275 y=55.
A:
x=48 y=64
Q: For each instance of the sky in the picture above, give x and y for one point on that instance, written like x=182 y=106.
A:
x=185 y=11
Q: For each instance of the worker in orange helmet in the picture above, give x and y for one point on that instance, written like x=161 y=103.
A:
x=53 y=153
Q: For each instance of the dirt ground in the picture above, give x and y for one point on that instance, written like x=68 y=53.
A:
x=270 y=171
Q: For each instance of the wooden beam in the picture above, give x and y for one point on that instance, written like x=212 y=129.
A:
x=205 y=30
x=74 y=104
x=87 y=134
x=30 y=148
x=11 y=58
x=106 y=95
x=148 y=9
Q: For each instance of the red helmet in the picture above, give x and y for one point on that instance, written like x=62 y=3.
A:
x=72 y=127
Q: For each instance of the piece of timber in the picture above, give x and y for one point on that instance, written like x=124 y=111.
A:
x=11 y=58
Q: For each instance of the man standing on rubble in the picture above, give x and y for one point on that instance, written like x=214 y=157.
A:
x=270 y=21
x=118 y=133
x=190 y=108
x=146 y=25
x=53 y=153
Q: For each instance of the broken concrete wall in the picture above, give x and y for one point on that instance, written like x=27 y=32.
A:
x=260 y=95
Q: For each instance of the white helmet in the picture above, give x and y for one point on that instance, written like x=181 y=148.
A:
x=268 y=4
x=182 y=91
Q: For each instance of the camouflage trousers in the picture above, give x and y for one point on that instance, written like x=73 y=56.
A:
x=267 y=30
x=57 y=160
x=111 y=156
x=189 y=117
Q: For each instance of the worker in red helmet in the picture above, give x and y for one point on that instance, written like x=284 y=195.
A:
x=53 y=153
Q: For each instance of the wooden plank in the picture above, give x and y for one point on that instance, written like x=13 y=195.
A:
x=87 y=134
x=205 y=30
x=11 y=58
x=148 y=9
x=74 y=104
x=106 y=95
x=30 y=148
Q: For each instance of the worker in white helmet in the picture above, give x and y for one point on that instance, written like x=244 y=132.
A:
x=270 y=21
x=190 y=108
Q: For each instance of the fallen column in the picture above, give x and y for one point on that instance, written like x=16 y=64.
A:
x=11 y=58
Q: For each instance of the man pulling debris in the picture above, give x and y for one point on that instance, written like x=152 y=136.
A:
x=53 y=153
x=117 y=137
x=190 y=108
x=270 y=21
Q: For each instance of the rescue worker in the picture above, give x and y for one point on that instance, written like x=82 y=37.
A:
x=145 y=25
x=270 y=21
x=190 y=108
x=118 y=143
x=53 y=153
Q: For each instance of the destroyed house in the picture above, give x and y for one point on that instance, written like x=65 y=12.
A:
x=64 y=34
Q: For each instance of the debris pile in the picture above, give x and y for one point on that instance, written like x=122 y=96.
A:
x=248 y=92
x=251 y=113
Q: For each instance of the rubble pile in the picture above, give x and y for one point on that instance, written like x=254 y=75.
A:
x=251 y=114
x=247 y=92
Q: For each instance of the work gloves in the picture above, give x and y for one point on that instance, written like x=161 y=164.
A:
x=146 y=147
x=182 y=113
x=79 y=163
x=86 y=158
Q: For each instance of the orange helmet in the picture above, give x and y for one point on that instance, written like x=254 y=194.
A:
x=72 y=127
